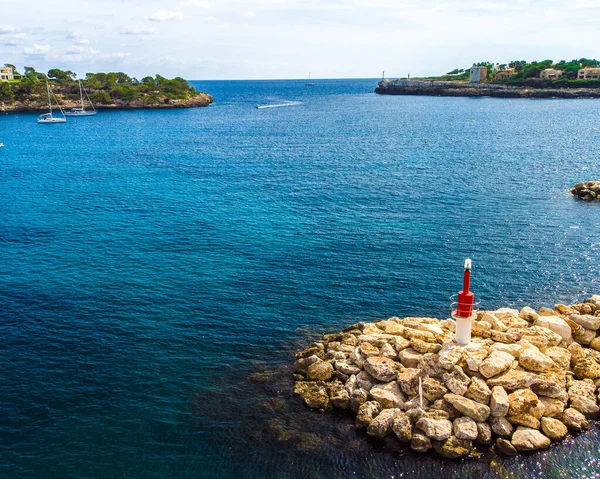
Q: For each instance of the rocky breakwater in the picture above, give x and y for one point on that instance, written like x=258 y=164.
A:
x=526 y=379
x=589 y=190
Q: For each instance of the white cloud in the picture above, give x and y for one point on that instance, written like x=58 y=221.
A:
x=116 y=57
x=164 y=15
x=20 y=36
x=138 y=30
x=37 y=50
x=7 y=29
x=72 y=35
x=195 y=3
x=10 y=43
x=83 y=41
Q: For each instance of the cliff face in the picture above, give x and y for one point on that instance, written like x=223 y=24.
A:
x=40 y=104
x=440 y=88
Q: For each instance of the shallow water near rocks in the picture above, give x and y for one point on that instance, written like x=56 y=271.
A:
x=160 y=268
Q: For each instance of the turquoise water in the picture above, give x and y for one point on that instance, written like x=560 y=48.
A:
x=160 y=268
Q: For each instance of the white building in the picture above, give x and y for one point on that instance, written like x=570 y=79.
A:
x=6 y=73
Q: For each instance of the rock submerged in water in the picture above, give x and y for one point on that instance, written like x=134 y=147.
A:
x=523 y=381
x=588 y=190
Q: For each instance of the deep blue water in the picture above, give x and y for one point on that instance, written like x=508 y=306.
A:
x=152 y=262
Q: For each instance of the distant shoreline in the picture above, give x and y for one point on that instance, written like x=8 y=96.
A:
x=465 y=89
x=199 y=100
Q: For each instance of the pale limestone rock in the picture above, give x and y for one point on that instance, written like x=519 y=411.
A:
x=368 y=350
x=408 y=379
x=400 y=343
x=433 y=389
x=351 y=384
x=577 y=353
x=381 y=425
x=420 y=442
x=513 y=379
x=525 y=439
x=481 y=329
x=383 y=369
x=415 y=402
x=457 y=381
x=357 y=358
x=388 y=351
x=535 y=361
x=432 y=328
x=512 y=349
x=320 y=371
x=546 y=311
x=479 y=391
x=555 y=324
x=371 y=328
x=436 y=429
x=426 y=336
x=573 y=419
x=502 y=312
x=496 y=363
x=499 y=404
x=553 y=428
x=366 y=413
x=587 y=368
x=302 y=364
x=512 y=322
x=521 y=401
x=475 y=358
x=585 y=387
x=453 y=448
x=479 y=412
x=576 y=329
x=465 y=428
x=314 y=394
x=586 y=338
x=388 y=395
x=586 y=320
x=501 y=426
x=450 y=354
x=553 y=338
x=585 y=405
x=525 y=420
x=528 y=314
x=392 y=327
x=409 y=358
x=595 y=344
x=448 y=324
x=496 y=324
x=346 y=367
x=430 y=365
x=552 y=407
x=561 y=356
x=550 y=383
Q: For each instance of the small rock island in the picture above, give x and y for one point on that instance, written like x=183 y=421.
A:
x=525 y=380
x=588 y=191
x=106 y=91
x=518 y=79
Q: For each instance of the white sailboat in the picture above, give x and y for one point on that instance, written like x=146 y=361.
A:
x=48 y=117
x=308 y=82
x=82 y=111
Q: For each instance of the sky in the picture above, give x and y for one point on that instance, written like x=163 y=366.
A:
x=269 y=39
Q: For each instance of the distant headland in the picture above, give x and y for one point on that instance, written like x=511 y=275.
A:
x=518 y=79
x=113 y=90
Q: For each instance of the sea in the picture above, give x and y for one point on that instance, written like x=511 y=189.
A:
x=159 y=269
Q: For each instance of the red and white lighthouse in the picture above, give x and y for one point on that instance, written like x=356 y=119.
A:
x=464 y=308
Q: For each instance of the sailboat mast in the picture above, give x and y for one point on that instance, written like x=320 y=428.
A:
x=49 y=100
x=81 y=95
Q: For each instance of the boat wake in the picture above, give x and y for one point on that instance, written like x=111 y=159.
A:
x=279 y=105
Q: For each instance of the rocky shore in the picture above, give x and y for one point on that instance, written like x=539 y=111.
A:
x=41 y=105
x=588 y=191
x=527 y=378
x=447 y=88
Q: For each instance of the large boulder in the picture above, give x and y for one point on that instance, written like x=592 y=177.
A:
x=465 y=428
x=553 y=428
x=339 y=396
x=587 y=368
x=473 y=409
x=586 y=320
x=573 y=419
x=420 y=442
x=534 y=360
x=436 y=429
x=505 y=448
x=496 y=363
x=479 y=391
x=501 y=426
x=585 y=405
x=366 y=413
x=388 y=395
x=383 y=369
x=320 y=371
x=556 y=324
x=499 y=401
x=513 y=379
x=402 y=427
x=314 y=394
x=453 y=448
x=525 y=439
x=521 y=401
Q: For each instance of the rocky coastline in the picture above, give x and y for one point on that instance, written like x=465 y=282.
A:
x=41 y=105
x=447 y=88
x=527 y=379
x=588 y=190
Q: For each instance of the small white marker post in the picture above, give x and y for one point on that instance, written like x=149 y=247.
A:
x=463 y=314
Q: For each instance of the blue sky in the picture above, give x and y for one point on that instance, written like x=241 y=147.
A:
x=252 y=39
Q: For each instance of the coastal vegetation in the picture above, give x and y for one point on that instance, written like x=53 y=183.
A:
x=520 y=73
x=112 y=89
